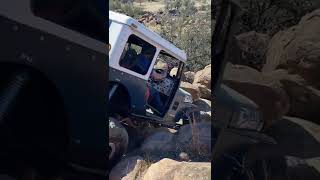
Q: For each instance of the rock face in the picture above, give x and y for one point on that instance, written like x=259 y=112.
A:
x=192 y=89
x=300 y=95
x=288 y=94
x=256 y=86
x=127 y=169
x=186 y=76
x=304 y=100
x=203 y=77
x=174 y=170
x=252 y=48
x=298 y=49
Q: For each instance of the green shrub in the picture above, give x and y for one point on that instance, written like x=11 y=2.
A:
x=189 y=30
x=125 y=7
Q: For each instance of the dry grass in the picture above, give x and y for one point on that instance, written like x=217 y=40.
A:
x=195 y=133
x=143 y=169
x=156 y=5
x=153 y=6
x=196 y=145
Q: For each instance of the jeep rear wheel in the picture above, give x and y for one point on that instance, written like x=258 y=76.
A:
x=118 y=140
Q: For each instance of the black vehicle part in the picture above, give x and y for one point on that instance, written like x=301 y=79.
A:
x=157 y=122
x=10 y=93
x=34 y=127
x=78 y=73
x=188 y=114
x=118 y=140
x=84 y=16
x=119 y=100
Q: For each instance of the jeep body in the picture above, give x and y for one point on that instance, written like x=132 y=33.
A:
x=132 y=87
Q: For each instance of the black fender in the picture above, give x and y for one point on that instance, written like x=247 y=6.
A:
x=120 y=100
x=79 y=74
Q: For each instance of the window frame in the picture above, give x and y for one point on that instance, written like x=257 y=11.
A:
x=157 y=50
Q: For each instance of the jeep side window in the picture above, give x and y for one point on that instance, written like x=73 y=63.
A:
x=137 y=55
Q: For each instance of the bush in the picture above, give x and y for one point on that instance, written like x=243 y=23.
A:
x=190 y=32
x=125 y=7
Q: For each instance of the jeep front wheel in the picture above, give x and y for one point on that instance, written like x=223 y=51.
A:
x=118 y=140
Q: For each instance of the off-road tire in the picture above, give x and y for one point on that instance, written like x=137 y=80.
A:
x=118 y=140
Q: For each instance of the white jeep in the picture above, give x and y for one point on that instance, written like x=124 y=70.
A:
x=144 y=76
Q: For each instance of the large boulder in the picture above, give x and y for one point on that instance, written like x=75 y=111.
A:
x=192 y=89
x=205 y=92
x=159 y=142
x=174 y=170
x=203 y=77
x=257 y=86
x=195 y=137
x=304 y=100
x=252 y=48
x=186 y=76
x=297 y=49
x=128 y=169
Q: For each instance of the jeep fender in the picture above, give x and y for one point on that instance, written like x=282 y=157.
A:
x=78 y=73
x=136 y=88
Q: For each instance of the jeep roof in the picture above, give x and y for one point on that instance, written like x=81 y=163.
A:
x=134 y=24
